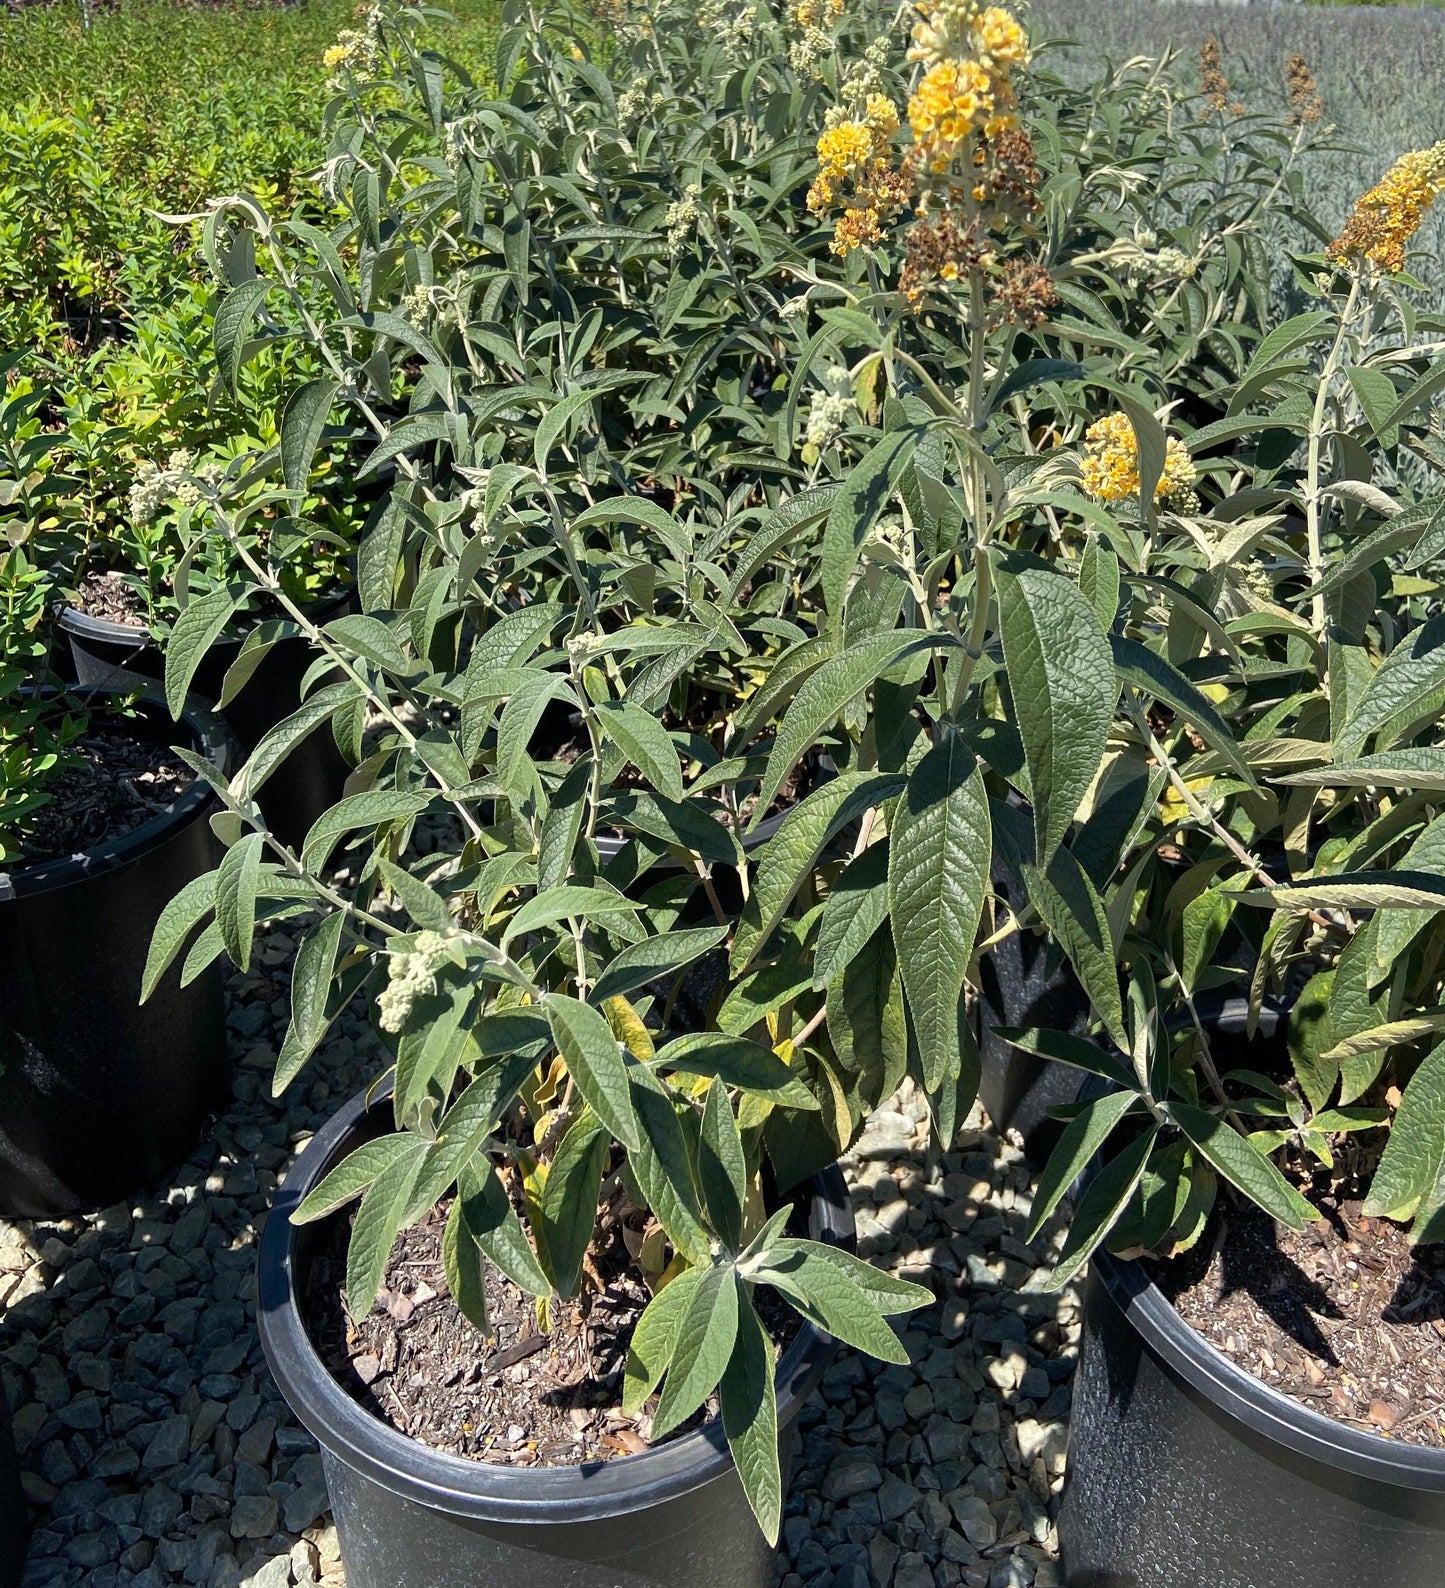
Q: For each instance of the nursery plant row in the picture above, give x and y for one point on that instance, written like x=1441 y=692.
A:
x=795 y=550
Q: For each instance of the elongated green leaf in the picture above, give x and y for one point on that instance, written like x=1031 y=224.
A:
x=470 y=1120
x=645 y=743
x=1083 y=1137
x=938 y=866
x=1409 y=680
x=1397 y=929
x=722 y=1171
x=182 y=914
x=1101 y=1207
x=654 y=1339
x=1061 y=674
x=566 y=903
x=663 y=1167
x=1073 y=911
x=492 y=1222
x=378 y=1221
x=738 y=1062
x=462 y=1265
x=238 y=880
x=412 y=432
x=301 y=425
x=887 y=1295
x=519 y=720
x=1074 y=1051
x=748 y=1394
x=1421 y=768
x=594 y=1060
x=231 y=328
x=820 y=699
x=311 y=983
x=856 y=907
x=196 y=629
x=1243 y=1165
x=1099 y=580
x=351 y=1177
x=569 y=1200
x=369 y=638
x=856 y=508
x=1354 y=890
x=1414 y=1155
x=866 y=1020
x=830 y=1297
x=260 y=640
x=703 y=1344
x=1154 y=677
x=426 y=907
x=788 y=858
x=1412 y=1028
x=640 y=963
x=356 y=811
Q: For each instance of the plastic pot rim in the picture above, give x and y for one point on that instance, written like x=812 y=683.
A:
x=1249 y=1400
x=479 y=1490
x=71 y=620
x=209 y=738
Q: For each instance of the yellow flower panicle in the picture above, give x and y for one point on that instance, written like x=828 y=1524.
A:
x=855 y=169
x=969 y=52
x=1388 y=216
x=1111 y=463
x=817 y=13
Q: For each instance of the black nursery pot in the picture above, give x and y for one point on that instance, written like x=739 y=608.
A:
x=1185 y=1470
x=99 y=1093
x=1021 y=985
x=14 y=1520
x=311 y=780
x=409 y=1516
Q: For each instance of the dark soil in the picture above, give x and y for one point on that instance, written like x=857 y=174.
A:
x=1344 y=1316
x=109 y=597
x=119 y=783
x=523 y=1398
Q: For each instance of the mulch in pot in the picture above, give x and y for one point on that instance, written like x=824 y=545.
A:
x=1344 y=1316
x=118 y=783
x=522 y=1398
x=107 y=596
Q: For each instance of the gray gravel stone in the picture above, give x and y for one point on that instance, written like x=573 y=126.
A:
x=253 y=1516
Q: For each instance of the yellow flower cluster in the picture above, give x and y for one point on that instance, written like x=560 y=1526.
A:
x=357 y=51
x=969 y=52
x=855 y=157
x=1388 y=216
x=1111 y=463
x=817 y=13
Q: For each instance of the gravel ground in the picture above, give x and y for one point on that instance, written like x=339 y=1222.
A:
x=157 y=1451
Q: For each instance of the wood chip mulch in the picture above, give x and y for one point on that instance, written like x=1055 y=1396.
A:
x=1344 y=1316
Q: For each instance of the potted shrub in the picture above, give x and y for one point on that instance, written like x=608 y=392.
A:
x=149 y=581
x=101 y=823
x=1258 y=1390
x=567 y=1145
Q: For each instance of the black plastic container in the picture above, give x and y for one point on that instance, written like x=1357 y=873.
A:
x=99 y=1093
x=14 y=1518
x=1184 y=1470
x=409 y=1516
x=311 y=779
x=1022 y=984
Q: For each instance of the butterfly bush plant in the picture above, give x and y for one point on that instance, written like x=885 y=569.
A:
x=571 y=589
x=1284 y=838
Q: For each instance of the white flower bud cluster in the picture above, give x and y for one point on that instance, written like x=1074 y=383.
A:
x=412 y=975
x=638 y=101
x=831 y=408
x=416 y=308
x=179 y=481
x=682 y=219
